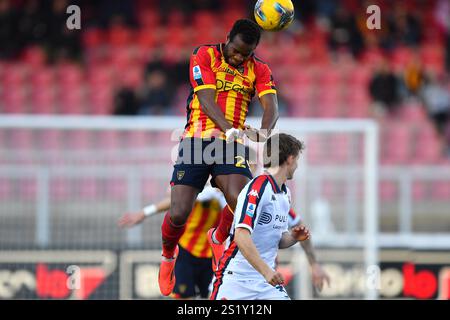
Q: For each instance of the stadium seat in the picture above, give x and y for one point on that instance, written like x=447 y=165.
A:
x=427 y=146
x=388 y=191
x=27 y=189
x=92 y=37
x=440 y=190
x=21 y=139
x=148 y=19
x=71 y=101
x=60 y=189
x=397 y=140
x=120 y=36
x=6 y=189
x=419 y=191
x=14 y=100
x=78 y=139
x=34 y=56
x=48 y=139
x=116 y=189
x=340 y=148
x=86 y=188
x=43 y=100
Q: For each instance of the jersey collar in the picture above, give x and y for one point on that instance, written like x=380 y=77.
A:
x=275 y=186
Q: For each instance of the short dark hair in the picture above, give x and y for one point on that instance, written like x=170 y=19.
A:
x=285 y=144
x=250 y=32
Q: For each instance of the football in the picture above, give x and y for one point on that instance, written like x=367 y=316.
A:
x=274 y=15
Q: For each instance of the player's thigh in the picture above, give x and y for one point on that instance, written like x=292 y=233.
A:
x=203 y=275
x=185 y=275
x=231 y=185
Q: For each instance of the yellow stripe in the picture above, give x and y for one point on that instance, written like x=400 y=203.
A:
x=213 y=57
x=205 y=86
x=191 y=227
x=195 y=109
x=202 y=241
x=266 y=92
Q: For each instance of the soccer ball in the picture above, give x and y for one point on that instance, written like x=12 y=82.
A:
x=274 y=15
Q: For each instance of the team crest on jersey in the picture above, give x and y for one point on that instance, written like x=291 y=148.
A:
x=240 y=69
x=180 y=175
x=197 y=73
x=254 y=193
x=250 y=210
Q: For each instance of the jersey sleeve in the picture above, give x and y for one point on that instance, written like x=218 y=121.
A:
x=293 y=218
x=201 y=74
x=264 y=80
x=250 y=203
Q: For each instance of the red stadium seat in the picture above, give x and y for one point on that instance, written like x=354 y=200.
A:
x=69 y=75
x=136 y=140
x=34 y=56
x=388 y=191
x=101 y=101
x=440 y=190
x=27 y=189
x=71 y=101
x=78 y=139
x=427 y=147
x=60 y=189
x=340 y=148
x=397 y=143
x=14 y=100
x=43 y=77
x=419 y=191
x=6 y=189
x=49 y=139
x=87 y=188
x=116 y=189
x=148 y=19
x=120 y=36
x=92 y=37
x=43 y=100
x=21 y=139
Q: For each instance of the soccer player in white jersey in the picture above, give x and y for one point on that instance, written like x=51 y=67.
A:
x=246 y=270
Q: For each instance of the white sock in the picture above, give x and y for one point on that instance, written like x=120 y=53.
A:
x=213 y=236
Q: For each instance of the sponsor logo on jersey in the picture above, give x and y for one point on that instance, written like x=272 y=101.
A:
x=197 y=72
x=265 y=218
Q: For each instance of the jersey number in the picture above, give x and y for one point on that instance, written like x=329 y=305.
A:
x=240 y=162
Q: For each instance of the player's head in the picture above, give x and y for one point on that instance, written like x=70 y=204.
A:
x=283 y=150
x=241 y=42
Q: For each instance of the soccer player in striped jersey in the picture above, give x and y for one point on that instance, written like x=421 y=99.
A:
x=260 y=227
x=193 y=269
x=224 y=78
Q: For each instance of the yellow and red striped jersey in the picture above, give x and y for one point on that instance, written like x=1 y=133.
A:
x=204 y=216
x=235 y=87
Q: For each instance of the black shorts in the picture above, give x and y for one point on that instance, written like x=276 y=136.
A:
x=193 y=275
x=200 y=158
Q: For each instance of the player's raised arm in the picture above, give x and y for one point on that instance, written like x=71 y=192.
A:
x=267 y=95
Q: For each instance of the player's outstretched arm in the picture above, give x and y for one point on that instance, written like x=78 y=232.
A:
x=319 y=276
x=131 y=219
x=248 y=249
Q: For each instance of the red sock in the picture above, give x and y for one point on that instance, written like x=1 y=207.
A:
x=223 y=229
x=171 y=233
